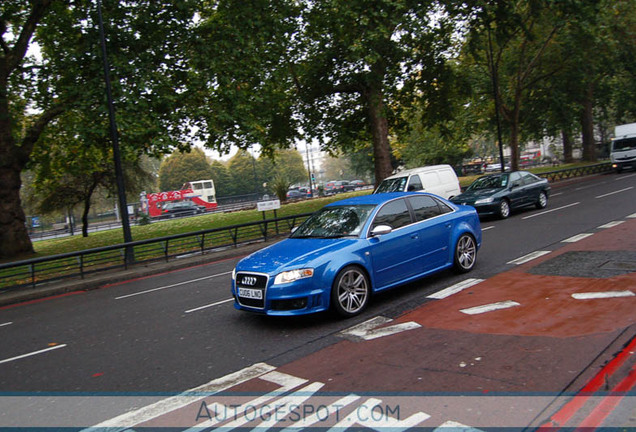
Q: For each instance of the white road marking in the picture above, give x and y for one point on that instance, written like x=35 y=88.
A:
x=487 y=228
x=386 y=422
x=589 y=186
x=6 y=324
x=295 y=399
x=624 y=177
x=490 y=307
x=453 y=426
x=526 y=258
x=32 y=353
x=173 y=403
x=576 y=238
x=286 y=383
x=632 y=216
x=210 y=305
x=615 y=192
x=454 y=289
x=551 y=210
x=368 y=331
x=556 y=194
x=172 y=286
x=611 y=224
x=333 y=408
x=602 y=295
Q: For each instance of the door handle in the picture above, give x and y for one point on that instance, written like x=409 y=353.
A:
x=415 y=236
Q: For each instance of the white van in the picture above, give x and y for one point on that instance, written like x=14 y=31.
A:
x=440 y=180
x=623 y=150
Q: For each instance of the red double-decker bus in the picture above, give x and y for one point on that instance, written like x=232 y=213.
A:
x=200 y=192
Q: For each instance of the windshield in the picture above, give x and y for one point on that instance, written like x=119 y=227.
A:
x=331 y=222
x=392 y=185
x=624 y=144
x=490 y=182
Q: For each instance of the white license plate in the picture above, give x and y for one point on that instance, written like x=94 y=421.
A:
x=251 y=293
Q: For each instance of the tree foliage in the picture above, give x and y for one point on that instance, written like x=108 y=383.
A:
x=145 y=40
x=180 y=168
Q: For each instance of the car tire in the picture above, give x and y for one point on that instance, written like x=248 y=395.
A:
x=504 y=209
x=465 y=253
x=542 y=202
x=350 y=292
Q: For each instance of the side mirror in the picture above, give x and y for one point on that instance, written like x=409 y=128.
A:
x=381 y=230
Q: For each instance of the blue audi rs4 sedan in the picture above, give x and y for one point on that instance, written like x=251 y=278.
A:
x=350 y=249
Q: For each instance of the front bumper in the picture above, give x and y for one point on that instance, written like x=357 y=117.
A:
x=483 y=209
x=296 y=298
x=622 y=164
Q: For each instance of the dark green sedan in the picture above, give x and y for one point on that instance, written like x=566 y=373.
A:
x=499 y=194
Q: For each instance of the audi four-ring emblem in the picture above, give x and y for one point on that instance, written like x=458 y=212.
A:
x=248 y=280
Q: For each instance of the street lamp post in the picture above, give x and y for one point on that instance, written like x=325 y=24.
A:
x=119 y=176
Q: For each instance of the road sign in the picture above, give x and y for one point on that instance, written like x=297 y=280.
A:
x=268 y=205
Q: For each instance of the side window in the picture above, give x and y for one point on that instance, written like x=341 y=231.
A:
x=415 y=184
x=515 y=179
x=529 y=178
x=394 y=214
x=443 y=208
x=424 y=207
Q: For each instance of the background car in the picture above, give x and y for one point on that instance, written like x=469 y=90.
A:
x=353 y=248
x=296 y=194
x=181 y=208
x=499 y=194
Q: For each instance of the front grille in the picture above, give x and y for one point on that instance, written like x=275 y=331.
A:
x=251 y=280
x=255 y=283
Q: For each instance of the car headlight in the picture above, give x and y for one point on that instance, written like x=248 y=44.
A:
x=485 y=200
x=234 y=274
x=293 y=275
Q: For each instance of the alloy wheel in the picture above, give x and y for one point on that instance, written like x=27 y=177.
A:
x=465 y=253
x=351 y=291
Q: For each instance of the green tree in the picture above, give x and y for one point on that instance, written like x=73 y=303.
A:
x=68 y=76
x=222 y=179
x=286 y=164
x=245 y=178
x=180 y=168
x=514 y=46
x=18 y=22
x=268 y=72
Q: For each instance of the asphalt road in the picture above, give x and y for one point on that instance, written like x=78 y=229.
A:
x=175 y=331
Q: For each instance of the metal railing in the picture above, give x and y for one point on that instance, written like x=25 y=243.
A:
x=567 y=173
x=30 y=273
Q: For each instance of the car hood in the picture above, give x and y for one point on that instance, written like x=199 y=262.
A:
x=472 y=196
x=291 y=253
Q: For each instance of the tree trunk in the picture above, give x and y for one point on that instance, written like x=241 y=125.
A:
x=587 y=126
x=514 y=146
x=567 y=146
x=87 y=205
x=14 y=236
x=380 y=134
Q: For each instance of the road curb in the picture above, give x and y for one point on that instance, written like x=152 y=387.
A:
x=117 y=276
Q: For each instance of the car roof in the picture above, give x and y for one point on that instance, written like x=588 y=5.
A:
x=418 y=170
x=373 y=199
